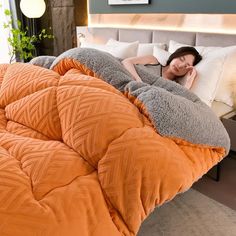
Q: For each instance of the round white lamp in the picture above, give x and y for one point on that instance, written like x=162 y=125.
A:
x=33 y=8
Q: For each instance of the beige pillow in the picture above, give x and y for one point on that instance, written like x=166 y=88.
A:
x=226 y=91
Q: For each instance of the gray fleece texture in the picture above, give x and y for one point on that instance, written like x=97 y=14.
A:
x=174 y=111
x=43 y=61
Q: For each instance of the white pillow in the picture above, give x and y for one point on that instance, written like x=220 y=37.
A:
x=145 y=49
x=161 y=55
x=209 y=72
x=173 y=46
x=131 y=48
x=215 y=71
x=120 y=51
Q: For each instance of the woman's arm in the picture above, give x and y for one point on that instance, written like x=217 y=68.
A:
x=131 y=61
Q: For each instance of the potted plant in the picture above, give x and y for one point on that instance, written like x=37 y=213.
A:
x=22 y=46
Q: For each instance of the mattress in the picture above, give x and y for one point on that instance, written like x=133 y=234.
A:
x=220 y=108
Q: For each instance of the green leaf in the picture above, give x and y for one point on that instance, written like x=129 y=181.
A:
x=7 y=12
x=5 y=25
x=18 y=24
x=21 y=43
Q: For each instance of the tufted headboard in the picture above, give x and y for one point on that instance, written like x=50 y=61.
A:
x=101 y=35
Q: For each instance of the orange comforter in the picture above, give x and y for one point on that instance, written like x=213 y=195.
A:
x=78 y=157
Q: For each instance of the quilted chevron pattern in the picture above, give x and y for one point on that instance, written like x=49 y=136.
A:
x=32 y=112
x=78 y=158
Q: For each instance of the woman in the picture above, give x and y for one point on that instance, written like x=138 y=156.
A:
x=179 y=63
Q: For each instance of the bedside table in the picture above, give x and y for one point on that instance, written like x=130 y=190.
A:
x=229 y=122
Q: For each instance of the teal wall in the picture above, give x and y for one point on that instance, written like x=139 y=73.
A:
x=166 y=6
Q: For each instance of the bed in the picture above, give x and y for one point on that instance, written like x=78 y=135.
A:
x=100 y=35
x=85 y=150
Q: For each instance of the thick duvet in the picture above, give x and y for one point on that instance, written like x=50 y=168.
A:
x=85 y=150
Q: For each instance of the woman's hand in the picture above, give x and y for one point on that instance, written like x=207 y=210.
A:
x=190 y=76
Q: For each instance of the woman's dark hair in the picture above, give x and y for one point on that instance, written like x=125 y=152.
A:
x=184 y=51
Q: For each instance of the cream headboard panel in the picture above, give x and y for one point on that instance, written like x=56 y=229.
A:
x=101 y=35
x=223 y=40
x=165 y=36
x=129 y=35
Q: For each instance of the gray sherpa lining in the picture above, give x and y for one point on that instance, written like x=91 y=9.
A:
x=102 y=63
x=176 y=116
x=43 y=61
x=173 y=110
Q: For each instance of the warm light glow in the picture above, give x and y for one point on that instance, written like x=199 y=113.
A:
x=184 y=29
x=210 y=23
x=33 y=8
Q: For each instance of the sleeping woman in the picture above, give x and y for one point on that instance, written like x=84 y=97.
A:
x=180 y=63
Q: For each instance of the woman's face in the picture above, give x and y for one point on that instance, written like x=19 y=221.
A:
x=179 y=66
